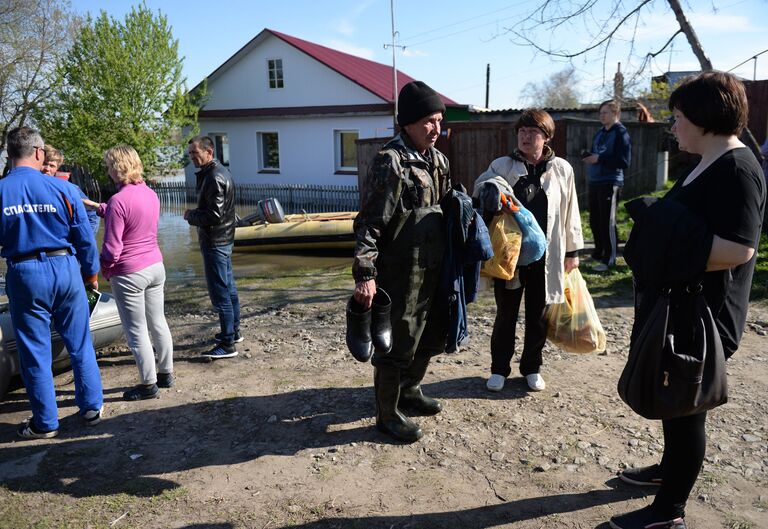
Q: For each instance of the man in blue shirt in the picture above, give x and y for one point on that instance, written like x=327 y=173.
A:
x=610 y=154
x=47 y=243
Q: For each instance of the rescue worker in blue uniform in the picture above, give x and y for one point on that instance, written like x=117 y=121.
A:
x=50 y=252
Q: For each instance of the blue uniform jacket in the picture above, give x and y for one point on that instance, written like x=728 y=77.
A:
x=38 y=213
x=614 y=150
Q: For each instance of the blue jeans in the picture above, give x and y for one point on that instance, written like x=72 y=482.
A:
x=40 y=291
x=217 y=262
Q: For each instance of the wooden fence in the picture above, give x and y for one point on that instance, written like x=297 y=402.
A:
x=470 y=146
x=294 y=198
x=757 y=94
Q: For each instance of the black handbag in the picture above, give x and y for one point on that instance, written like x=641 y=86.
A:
x=676 y=363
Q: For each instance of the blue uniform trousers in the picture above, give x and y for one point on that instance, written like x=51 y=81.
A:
x=40 y=290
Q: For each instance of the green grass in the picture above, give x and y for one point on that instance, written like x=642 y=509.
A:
x=760 y=279
x=618 y=281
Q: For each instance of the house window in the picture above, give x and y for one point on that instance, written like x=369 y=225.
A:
x=345 y=150
x=220 y=147
x=275 y=68
x=269 y=152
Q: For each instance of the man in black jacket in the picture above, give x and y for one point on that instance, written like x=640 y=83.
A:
x=215 y=221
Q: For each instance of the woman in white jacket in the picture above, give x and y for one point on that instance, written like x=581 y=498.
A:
x=544 y=184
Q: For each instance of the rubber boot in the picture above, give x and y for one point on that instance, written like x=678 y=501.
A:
x=359 y=331
x=411 y=396
x=388 y=419
x=381 y=325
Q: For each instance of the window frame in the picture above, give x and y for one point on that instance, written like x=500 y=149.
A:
x=262 y=163
x=219 y=147
x=338 y=158
x=279 y=77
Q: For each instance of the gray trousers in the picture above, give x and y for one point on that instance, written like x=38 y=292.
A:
x=141 y=304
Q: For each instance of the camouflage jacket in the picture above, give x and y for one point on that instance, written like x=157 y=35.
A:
x=399 y=179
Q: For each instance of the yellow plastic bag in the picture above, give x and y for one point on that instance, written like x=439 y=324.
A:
x=574 y=326
x=506 y=239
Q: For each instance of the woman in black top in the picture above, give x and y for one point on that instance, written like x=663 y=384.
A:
x=727 y=190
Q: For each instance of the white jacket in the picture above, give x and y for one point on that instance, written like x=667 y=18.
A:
x=563 y=220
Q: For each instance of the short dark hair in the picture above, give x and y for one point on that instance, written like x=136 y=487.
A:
x=536 y=117
x=612 y=104
x=714 y=101
x=203 y=141
x=22 y=142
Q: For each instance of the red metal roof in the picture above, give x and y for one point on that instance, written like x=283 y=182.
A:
x=373 y=76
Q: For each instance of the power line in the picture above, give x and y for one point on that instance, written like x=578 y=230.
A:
x=464 y=21
x=458 y=32
x=754 y=57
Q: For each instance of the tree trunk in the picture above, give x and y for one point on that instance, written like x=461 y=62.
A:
x=690 y=34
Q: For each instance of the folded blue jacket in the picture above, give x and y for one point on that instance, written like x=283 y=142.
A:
x=534 y=242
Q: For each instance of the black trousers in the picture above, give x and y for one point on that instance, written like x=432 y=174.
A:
x=685 y=441
x=603 y=201
x=507 y=310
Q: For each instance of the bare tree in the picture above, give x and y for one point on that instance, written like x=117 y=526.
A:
x=558 y=91
x=34 y=35
x=607 y=22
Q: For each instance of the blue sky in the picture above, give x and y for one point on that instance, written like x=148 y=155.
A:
x=449 y=43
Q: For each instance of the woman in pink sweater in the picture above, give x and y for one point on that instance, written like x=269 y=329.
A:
x=131 y=261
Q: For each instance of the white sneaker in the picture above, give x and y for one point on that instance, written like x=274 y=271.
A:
x=600 y=267
x=93 y=417
x=495 y=383
x=535 y=382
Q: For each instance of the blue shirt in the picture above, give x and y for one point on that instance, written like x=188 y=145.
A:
x=39 y=213
x=614 y=153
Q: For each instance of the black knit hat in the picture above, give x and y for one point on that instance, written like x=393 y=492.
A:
x=415 y=101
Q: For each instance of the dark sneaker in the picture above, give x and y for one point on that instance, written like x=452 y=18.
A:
x=93 y=417
x=221 y=351
x=645 y=518
x=142 y=392
x=165 y=380
x=238 y=338
x=643 y=476
x=27 y=431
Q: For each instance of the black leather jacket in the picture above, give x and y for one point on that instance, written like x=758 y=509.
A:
x=215 y=213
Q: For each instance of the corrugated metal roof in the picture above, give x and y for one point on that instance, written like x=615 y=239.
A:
x=373 y=76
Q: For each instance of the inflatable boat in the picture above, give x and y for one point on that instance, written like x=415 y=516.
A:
x=105 y=330
x=269 y=230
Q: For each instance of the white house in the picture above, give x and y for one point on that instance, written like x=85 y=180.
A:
x=286 y=111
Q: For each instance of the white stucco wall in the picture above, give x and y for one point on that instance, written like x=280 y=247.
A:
x=307 y=82
x=307 y=152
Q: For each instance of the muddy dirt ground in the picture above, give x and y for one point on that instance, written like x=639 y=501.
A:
x=284 y=436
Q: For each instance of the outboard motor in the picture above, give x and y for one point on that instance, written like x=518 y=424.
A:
x=268 y=211
x=271 y=210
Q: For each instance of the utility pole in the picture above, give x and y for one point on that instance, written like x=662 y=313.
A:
x=394 y=66
x=487 y=83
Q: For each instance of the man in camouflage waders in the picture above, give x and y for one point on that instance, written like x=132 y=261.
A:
x=400 y=235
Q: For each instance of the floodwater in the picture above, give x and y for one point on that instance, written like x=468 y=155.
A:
x=183 y=263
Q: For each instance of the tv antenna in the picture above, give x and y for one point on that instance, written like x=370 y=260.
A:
x=394 y=47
